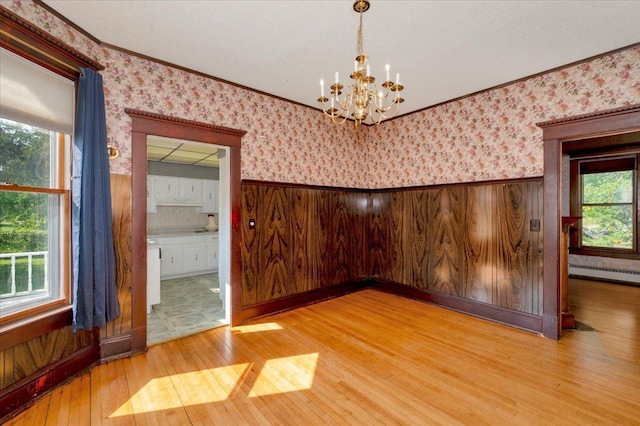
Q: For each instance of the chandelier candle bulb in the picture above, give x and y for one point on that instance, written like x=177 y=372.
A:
x=386 y=67
x=337 y=77
x=368 y=71
x=397 y=79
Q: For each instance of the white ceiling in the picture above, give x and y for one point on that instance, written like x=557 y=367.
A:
x=169 y=150
x=442 y=49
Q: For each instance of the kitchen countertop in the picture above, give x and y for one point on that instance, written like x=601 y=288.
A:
x=177 y=232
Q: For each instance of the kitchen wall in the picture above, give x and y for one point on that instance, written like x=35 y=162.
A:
x=175 y=217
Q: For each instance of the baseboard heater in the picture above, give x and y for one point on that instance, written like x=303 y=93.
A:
x=605 y=273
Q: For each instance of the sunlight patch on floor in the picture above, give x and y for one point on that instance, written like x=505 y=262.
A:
x=289 y=374
x=178 y=390
x=255 y=328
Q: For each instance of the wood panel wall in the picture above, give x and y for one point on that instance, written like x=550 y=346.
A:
x=305 y=239
x=470 y=242
x=21 y=361
x=467 y=241
x=121 y=224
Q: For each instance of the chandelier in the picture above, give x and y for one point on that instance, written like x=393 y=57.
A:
x=363 y=98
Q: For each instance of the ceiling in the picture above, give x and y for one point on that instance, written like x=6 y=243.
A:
x=168 y=150
x=442 y=49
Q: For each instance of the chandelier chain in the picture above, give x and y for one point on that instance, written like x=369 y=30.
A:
x=360 y=50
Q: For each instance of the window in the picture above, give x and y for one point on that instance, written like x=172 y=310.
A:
x=605 y=191
x=36 y=118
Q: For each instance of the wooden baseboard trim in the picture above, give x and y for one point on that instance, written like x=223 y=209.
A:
x=296 y=301
x=22 y=394
x=115 y=347
x=494 y=313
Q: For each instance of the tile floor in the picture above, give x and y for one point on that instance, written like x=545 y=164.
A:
x=188 y=305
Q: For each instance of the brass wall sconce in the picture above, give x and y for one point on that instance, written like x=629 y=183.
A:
x=112 y=152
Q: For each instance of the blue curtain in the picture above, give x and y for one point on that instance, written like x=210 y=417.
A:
x=95 y=296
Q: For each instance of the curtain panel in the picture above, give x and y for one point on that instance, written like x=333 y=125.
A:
x=95 y=298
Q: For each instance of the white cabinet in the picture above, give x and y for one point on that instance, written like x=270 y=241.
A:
x=177 y=191
x=211 y=196
x=152 y=207
x=167 y=188
x=191 y=190
x=195 y=257
x=171 y=261
x=188 y=255
x=212 y=252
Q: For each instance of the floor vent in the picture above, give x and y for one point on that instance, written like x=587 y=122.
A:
x=604 y=273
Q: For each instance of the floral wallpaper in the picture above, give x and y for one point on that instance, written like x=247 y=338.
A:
x=488 y=136
x=284 y=142
x=493 y=135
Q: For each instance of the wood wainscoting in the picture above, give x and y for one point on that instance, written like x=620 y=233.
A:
x=470 y=247
x=305 y=241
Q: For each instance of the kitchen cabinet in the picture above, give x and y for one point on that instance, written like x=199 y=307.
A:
x=211 y=196
x=189 y=255
x=212 y=248
x=167 y=188
x=177 y=191
x=191 y=190
x=171 y=262
x=195 y=257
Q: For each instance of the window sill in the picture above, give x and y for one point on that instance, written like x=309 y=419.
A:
x=604 y=253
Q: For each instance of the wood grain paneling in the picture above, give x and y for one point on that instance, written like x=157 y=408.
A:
x=379 y=234
x=275 y=243
x=397 y=237
x=121 y=223
x=250 y=245
x=321 y=235
x=306 y=239
x=445 y=254
x=417 y=238
x=303 y=271
x=340 y=235
x=357 y=204
x=478 y=239
x=469 y=241
x=30 y=357
x=513 y=250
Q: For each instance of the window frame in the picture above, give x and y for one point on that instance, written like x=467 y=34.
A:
x=62 y=296
x=28 y=41
x=603 y=161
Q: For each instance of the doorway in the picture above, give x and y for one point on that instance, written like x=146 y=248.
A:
x=187 y=194
x=558 y=137
x=228 y=140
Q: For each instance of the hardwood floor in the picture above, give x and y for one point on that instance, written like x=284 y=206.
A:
x=365 y=358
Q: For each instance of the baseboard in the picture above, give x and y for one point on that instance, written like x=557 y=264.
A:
x=19 y=396
x=494 y=313
x=115 y=347
x=298 y=300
